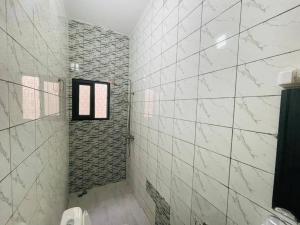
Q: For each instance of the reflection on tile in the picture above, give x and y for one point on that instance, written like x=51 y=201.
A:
x=257 y=12
x=221 y=28
x=214 y=138
x=204 y=212
x=221 y=56
x=218 y=84
x=260 y=78
x=212 y=164
x=216 y=111
x=244 y=212
x=257 y=114
x=22 y=107
x=256 y=149
x=252 y=183
x=255 y=43
x=4 y=115
x=5 y=200
x=4 y=154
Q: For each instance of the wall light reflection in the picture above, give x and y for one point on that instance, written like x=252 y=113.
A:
x=221 y=41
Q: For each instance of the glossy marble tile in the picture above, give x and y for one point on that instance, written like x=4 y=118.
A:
x=169 y=39
x=22 y=140
x=4 y=109
x=256 y=12
x=184 y=130
x=171 y=21
x=218 y=84
x=212 y=164
x=5 y=200
x=223 y=27
x=179 y=211
x=4 y=154
x=259 y=114
x=184 y=151
x=22 y=104
x=2 y=15
x=22 y=179
x=167 y=91
x=168 y=74
x=182 y=171
x=252 y=183
x=19 y=24
x=27 y=208
x=191 y=23
x=3 y=56
x=188 y=67
x=214 y=138
x=212 y=8
x=189 y=46
x=211 y=190
x=255 y=149
x=221 y=56
x=187 y=7
x=187 y=88
x=185 y=109
x=216 y=111
x=244 y=212
x=260 y=78
x=204 y=212
x=182 y=190
x=255 y=43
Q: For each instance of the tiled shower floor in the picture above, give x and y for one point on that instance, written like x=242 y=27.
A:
x=113 y=204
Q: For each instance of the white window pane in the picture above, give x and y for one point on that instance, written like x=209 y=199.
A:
x=100 y=101
x=84 y=100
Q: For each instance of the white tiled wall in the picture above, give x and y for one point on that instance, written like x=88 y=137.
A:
x=206 y=105
x=33 y=123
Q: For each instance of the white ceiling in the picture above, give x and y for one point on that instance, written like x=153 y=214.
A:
x=118 y=15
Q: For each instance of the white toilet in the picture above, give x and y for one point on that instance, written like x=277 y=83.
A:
x=75 y=216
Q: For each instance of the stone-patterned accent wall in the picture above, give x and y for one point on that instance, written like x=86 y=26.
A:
x=206 y=106
x=98 y=148
x=162 y=207
x=33 y=120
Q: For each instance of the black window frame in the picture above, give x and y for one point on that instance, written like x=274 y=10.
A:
x=75 y=99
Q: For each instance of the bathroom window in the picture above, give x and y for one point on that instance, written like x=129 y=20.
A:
x=90 y=100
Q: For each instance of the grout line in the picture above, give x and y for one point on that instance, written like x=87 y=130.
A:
x=234 y=107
